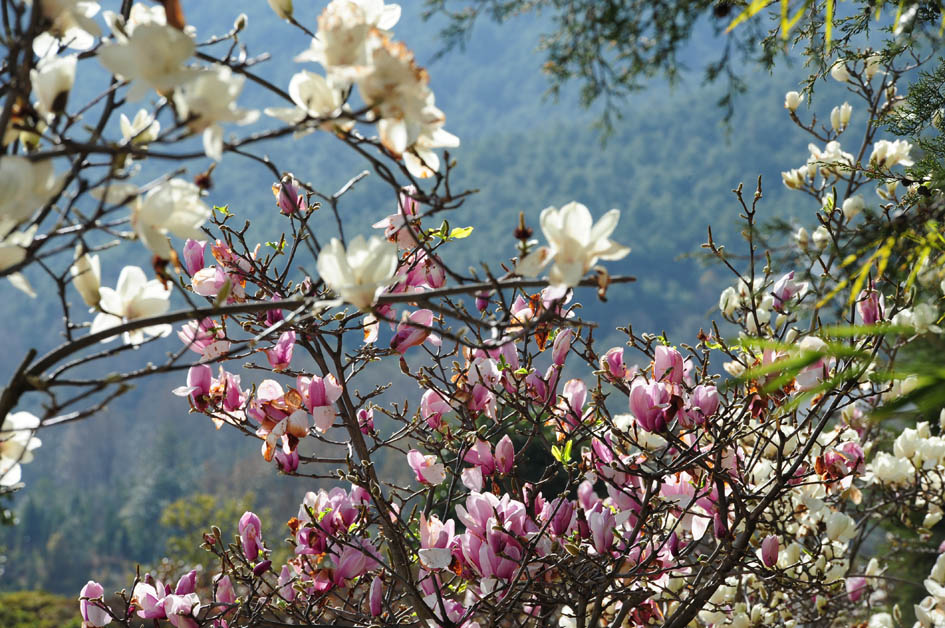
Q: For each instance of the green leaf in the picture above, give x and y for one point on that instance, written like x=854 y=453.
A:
x=460 y=232
x=224 y=209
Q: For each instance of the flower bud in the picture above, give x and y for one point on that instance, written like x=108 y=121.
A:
x=839 y=72
x=792 y=100
x=821 y=238
x=283 y=8
x=240 y=22
x=802 y=238
x=86 y=276
x=853 y=206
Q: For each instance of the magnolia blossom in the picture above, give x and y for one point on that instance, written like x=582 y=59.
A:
x=413 y=330
x=887 y=154
x=172 y=208
x=840 y=117
x=13 y=248
x=426 y=468
x=853 y=206
x=134 y=297
x=821 y=238
x=793 y=100
x=93 y=615
x=359 y=274
x=143 y=129
x=210 y=99
x=839 y=71
x=314 y=96
x=70 y=22
x=152 y=56
x=342 y=44
x=16 y=445
x=25 y=186
x=52 y=79
x=250 y=530
x=86 y=274
x=282 y=8
x=576 y=244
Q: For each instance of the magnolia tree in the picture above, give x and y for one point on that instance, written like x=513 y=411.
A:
x=740 y=479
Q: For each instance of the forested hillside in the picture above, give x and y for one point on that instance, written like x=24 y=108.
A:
x=94 y=500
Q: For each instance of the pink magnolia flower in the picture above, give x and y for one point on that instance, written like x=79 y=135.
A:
x=224 y=589
x=288 y=196
x=602 y=524
x=433 y=405
x=472 y=478
x=93 y=615
x=376 y=596
x=856 y=587
x=786 y=289
x=399 y=227
x=287 y=462
x=149 y=598
x=703 y=403
x=562 y=344
x=366 y=420
x=668 y=365
x=571 y=404
x=209 y=281
x=179 y=609
x=198 y=388
x=285 y=584
x=205 y=338
x=480 y=455
x=870 y=307
x=612 y=364
x=413 y=330
x=504 y=455
x=426 y=468
x=769 y=550
x=319 y=394
x=194 y=255
x=281 y=355
x=250 y=529
x=187 y=583
x=648 y=403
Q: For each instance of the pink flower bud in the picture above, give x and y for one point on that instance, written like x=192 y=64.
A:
x=366 y=420
x=376 y=596
x=769 y=550
x=505 y=455
x=482 y=300
x=287 y=463
x=250 y=530
x=612 y=364
x=870 y=305
x=187 y=583
x=281 y=355
x=193 y=255
x=668 y=365
x=562 y=345
x=262 y=568
x=225 y=592
x=92 y=613
x=288 y=196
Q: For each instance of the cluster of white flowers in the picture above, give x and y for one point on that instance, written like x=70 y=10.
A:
x=354 y=46
x=931 y=611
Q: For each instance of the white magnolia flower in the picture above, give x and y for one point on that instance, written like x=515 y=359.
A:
x=13 y=246
x=151 y=56
x=399 y=93
x=134 y=297
x=421 y=160
x=576 y=243
x=872 y=65
x=891 y=469
x=821 y=238
x=357 y=275
x=172 y=208
x=921 y=318
x=52 y=79
x=840 y=117
x=840 y=527
x=887 y=154
x=86 y=273
x=207 y=101
x=25 y=186
x=802 y=238
x=794 y=178
x=343 y=43
x=728 y=301
x=839 y=71
x=143 y=129
x=71 y=24
x=853 y=206
x=831 y=160
x=16 y=445
x=283 y=8
x=793 y=100
x=314 y=96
